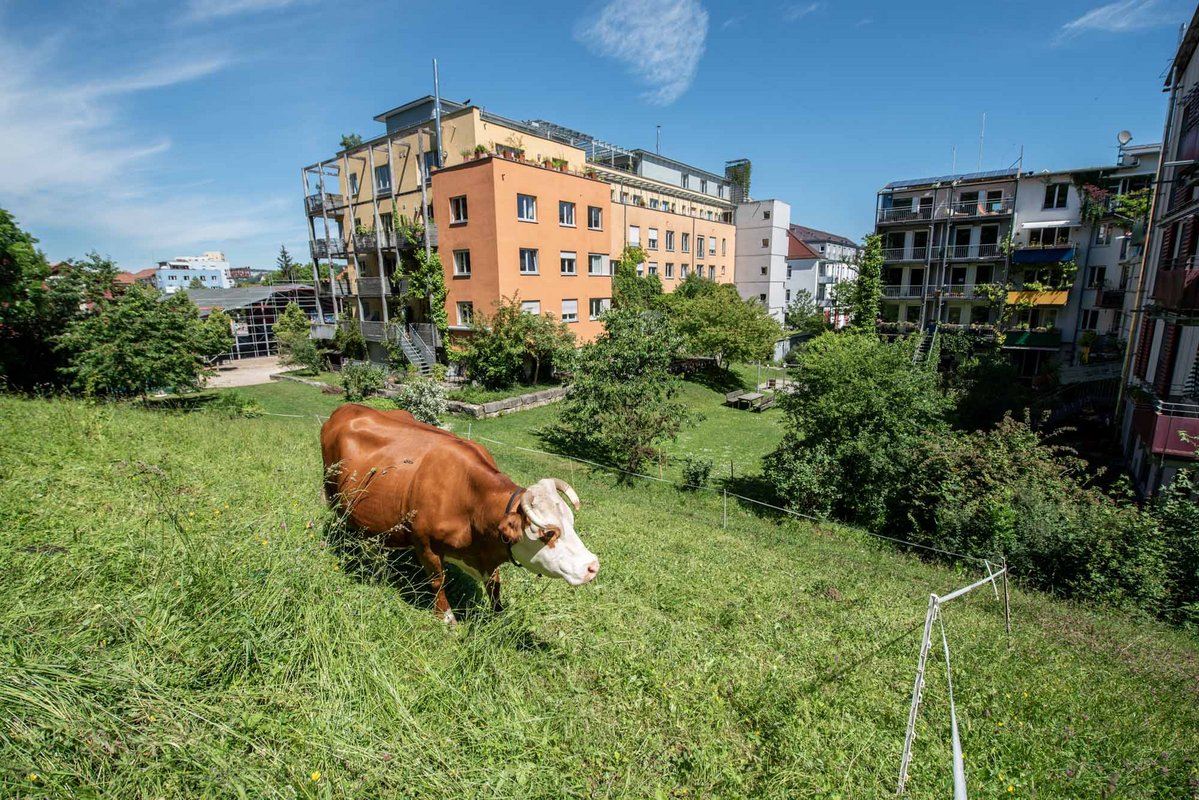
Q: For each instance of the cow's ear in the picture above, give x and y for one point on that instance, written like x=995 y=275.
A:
x=511 y=527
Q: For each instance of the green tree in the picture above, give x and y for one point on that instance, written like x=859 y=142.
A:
x=630 y=290
x=196 y=283
x=349 y=140
x=291 y=329
x=860 y=408
x=719 y=322
x=804 y=315
x=426 y=278
x=1177 y=515
x=549 y=340
x=349 y=341
x=285 y=265
x=868 y=287
x=137 y=343
x=217 y=334
x=623 y=402
x=502 y=342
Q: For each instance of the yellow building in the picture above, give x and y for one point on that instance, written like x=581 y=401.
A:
x=448 y=182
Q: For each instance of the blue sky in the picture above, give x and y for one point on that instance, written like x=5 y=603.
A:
x=146 y=129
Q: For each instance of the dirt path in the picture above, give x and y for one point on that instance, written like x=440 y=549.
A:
x=246 y=372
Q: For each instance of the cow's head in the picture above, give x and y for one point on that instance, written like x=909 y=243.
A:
x=548 y=544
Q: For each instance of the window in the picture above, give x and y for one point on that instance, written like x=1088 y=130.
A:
x=526 y=208
x=699 y=245
x=595 y=218
x=712 y=246
x=383 y=178
x=597 y=306
x=634 y=236
x=683 y=271
x=788 y=299
x=598 y=264
x=1049 y=237
x=669 y=270
x=685 y=244
x=531 y=307
x=528 y=261
x=651 y=239
x=699 y=270
x=762 y=299
x=670 y=241
x=566 y=213
x=466 y=313
x=765 y=243
x=569 y=263
x=353 y=183
x=764 y=270
x=1090 y=319
x=653 y=202
x=385 y=221
x=711 y=273
x=457 y=209
x=766 y=214
x=640 y=269
x=703 y=185
x=685 y=180
x=570 y=310
x=724 y=247
x=653 y=268
x=1103 y=234
x=1057 y=195
x=462 y=263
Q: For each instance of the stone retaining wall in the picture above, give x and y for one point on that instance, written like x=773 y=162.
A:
x=508 y=405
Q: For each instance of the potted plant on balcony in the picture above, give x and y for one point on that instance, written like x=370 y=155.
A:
x=559 y=164
x=480 y=151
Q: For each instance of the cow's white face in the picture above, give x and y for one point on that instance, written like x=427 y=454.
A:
x=550 y=546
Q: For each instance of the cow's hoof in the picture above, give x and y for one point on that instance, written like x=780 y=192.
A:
x=449 y=619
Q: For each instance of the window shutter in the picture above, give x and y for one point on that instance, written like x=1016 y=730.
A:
x=1165 y=361
x=1163 y=260
x=1143 y=348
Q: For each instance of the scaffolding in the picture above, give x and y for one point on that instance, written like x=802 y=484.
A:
x=254 y=311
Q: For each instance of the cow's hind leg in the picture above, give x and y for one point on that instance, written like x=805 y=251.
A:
x=436 y=571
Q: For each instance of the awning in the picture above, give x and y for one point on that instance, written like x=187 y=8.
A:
x=1057 y=298
x=1043 y=255
x=1050 y=223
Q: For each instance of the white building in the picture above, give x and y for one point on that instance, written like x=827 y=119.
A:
x=817 y=261
x=212 y=269
x=760 y=266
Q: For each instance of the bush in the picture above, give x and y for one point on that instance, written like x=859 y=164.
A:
x=232 y=404
x=306 y=355
x=495 y=354
x=349 y=341
x=423 y=398
x=362 y=380
x=697 y=471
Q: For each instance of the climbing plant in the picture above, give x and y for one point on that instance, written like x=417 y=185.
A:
x=426 y=278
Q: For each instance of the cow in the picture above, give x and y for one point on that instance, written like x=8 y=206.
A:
x=422 y=487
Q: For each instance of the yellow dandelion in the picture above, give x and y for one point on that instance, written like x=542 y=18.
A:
x=316 y=775
x=264 y=541
x=1001 y=723
x=34 y=777
x=1010 y=788
x=153 y=718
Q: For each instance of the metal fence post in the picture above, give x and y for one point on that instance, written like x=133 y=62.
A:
x=1007 y=604
x=468 y=427
x=917 y=692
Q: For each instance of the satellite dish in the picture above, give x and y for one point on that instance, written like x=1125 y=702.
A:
x=1124 y=137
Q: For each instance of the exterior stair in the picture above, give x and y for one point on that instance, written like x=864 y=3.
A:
x=415 y=350
x=928 y=342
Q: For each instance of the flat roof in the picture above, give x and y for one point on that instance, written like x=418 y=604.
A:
x=240 y=297
x=990 y=175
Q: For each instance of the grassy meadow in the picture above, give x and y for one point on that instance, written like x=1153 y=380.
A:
x=177 y=619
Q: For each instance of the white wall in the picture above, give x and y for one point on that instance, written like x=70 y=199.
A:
x=760 y=270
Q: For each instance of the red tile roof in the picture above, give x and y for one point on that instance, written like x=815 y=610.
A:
x=797 y=249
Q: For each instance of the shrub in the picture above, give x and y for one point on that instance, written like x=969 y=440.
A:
x=349 y=341
x=499 y=346
x=697 y=471
x=306 y=355
x=291 y=328
x=362 y=380
x=423 y=398
x=233 y=404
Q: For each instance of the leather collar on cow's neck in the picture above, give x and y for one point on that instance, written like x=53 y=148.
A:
x=517 y=492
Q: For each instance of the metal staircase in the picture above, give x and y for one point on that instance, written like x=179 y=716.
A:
x=418 y=353
x=928 y=343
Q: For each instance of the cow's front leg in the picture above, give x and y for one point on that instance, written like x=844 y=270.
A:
x=493 y=590
x=433 y=566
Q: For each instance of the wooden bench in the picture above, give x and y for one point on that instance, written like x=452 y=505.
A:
x=762 y=403
x=734 y=398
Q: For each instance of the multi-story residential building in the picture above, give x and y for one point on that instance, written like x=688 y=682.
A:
x=816 y=262
x=514 y=208
x=1160 y=408
x=212 y=269
x=762 y=250
x=1048 y=248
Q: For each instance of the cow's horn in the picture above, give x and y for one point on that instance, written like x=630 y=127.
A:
x=527 y=504
x=566 y=489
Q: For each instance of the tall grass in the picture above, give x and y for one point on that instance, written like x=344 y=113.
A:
x=179 y=618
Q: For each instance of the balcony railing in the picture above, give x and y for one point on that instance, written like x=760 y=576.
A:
x=902 y=292
x=323 y=203
x=967 y=251
x=374 y=287
x=982 y=208
x=1109 y=296
x=365 y=243
x=963 y=291
x=328 y=248
x=827 y=279
x=905 y=214
x=342 y=287
x=905 y=253
x=1160 y=421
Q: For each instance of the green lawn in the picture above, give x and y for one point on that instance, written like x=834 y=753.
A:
x=172 y=627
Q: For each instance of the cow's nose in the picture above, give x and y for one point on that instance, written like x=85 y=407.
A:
x=592 y=569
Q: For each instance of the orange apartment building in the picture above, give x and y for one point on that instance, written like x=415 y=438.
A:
x=527 y=209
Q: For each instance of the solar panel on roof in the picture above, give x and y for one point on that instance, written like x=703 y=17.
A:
x=965 y=176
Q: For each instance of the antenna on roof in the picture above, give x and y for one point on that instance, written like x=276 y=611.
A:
x=982 y=133
x=658 y=148
x=954 y=168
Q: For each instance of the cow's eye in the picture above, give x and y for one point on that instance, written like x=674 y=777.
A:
x=550 y=535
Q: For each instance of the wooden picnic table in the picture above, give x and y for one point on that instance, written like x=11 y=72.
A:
x=747 y=400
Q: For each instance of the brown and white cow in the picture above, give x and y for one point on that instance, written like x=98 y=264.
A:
x=416 y=485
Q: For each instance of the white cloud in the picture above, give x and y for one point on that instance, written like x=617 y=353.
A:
x=732 y=22
x=659 y=41
x=1118 y=17
x=70 y=162
x=796 y=11
x=213 y=9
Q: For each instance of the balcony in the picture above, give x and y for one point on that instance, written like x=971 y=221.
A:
x=1159 y=422
x=325 y=203
x=373 y=331
x=341 y=286
x=904 y=214
x=965 y=252
x=964 y=209
x=905 y=254
x=826 y=279
x=1045 y=339
x=1177 y=289
x=366 y=243
x=903 y=292
x=328 y=248
x=1107 y=296
x=374 y=287
x=963 y=291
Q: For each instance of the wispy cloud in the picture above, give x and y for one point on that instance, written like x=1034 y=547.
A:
x=1118 y=17
x=864 y=21
x=732 y=22
x=213 y=9
x=71 y=161
x=796 y=11
x=659 y=41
